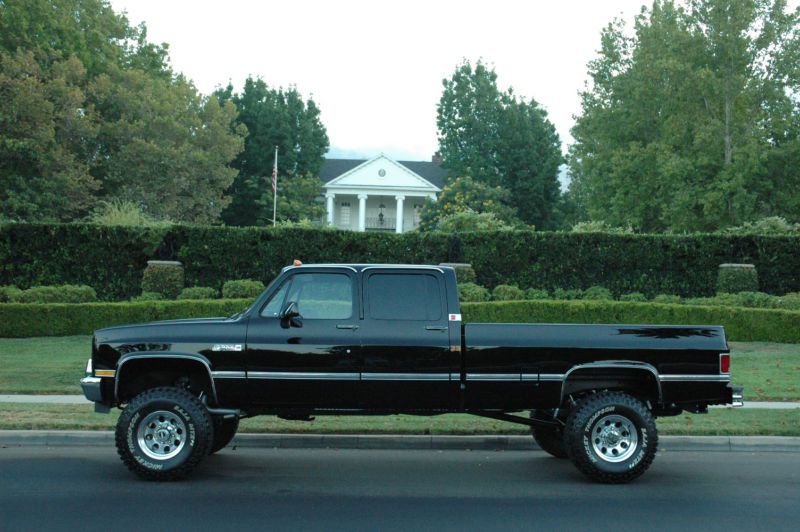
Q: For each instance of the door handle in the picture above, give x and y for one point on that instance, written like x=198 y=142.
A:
x=346 y=326
x=436 y=327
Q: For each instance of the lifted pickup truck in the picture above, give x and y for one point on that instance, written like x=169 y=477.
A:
x=383 y=339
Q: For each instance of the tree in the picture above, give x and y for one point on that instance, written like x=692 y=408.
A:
x=276 y=117
x=684 y=118
x=500 y=140
x=464 y=194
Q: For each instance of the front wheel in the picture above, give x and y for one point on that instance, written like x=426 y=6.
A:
x=164 y=433
x=611 y=437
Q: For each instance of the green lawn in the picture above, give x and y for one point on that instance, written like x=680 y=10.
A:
x=717 y=422
x=768 y=371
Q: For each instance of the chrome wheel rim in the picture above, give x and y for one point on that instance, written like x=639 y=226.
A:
x=614 y=438
x=161 y=435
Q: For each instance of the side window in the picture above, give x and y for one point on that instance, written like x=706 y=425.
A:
x=402 y=296
x=322 y=296
x=273 y=308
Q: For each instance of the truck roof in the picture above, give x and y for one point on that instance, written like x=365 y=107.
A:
x=360 y=267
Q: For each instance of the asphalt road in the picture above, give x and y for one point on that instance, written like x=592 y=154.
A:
x=294 y=489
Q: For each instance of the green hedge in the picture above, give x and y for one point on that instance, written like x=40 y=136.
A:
x=111 y=259
x=19 y=320
x=742 y=324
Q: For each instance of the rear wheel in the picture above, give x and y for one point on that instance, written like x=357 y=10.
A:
x=164 y=433
x=224 y=431
x=550 y=439
x=611 y=437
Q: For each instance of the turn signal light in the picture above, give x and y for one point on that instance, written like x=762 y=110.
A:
x=724 y=363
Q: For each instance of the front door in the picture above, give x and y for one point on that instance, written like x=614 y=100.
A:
x=405 y=341
x=311 y=360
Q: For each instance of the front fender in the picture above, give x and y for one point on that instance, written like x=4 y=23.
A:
x=194 y=358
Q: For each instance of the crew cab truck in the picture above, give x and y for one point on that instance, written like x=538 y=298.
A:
x=344 y=339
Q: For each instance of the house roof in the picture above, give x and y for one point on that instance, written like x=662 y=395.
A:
x=430 y=171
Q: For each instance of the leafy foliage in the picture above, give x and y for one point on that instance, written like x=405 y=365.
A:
x=472 y=292
x=199 y=292
x=276 y=118
x=633 y=297
x=242 y=288
x=537 y=293
x=148 y=296
x=474 y=201
x=599 y=226
x=507 y=292
x=119 y=212
x=471 y=221
x=55 y=294
x=500 y=141
x=735 y=278
x=691 y=122
x=597 y=293
x=771 y=225
x=92 y=111
x=166 y=279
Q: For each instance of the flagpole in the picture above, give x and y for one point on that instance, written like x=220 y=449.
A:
x=275 y=187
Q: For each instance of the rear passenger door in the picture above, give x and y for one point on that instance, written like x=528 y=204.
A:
x=406 y=358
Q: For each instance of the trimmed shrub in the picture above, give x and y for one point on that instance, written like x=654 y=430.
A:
x=536 y=293
x=472 y=292
x=741 y=324
x=507 y=292
x=163 y=277
x=735 y=278
x=148 y=296
x=667 y=299
x=567 y=294
x=242 y=288
x=18 y=320
x=790 y=301
x=55 y=294
x=598 y=293
x=636 y=297
x=464 y=272
x=114 y=257
x=198 y=292
x=7 y=293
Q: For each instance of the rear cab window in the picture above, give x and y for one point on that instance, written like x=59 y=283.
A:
x=412 y=296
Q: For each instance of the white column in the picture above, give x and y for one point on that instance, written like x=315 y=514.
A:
x=362 y=212
x=399 y=216
x=329 y=196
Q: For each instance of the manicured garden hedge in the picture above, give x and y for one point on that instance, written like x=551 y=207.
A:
x=112 y=259
x=743 y=324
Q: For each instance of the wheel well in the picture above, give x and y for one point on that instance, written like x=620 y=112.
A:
x=138 y=375
x=639 y=382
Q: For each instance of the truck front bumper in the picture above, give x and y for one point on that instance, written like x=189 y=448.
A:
x=91 y=388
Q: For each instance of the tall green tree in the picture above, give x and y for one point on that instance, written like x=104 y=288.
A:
x=468 y=195
x=500 y=140
x=682 y=118
x=91 y=111
x=282 y=118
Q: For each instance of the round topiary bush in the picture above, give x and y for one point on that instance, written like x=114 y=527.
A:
x=567 y=294
x=598 y=293
x=735 y=278
x=633 y=296
x=464 y=271
x=536 y=294
x=7 y=293
x=472 y=292
x=148 y=296
x=163 y=277
x=242 y=289
x=198 y=292
x=507 y=292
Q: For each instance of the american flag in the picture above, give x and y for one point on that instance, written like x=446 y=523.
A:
x=275 y=175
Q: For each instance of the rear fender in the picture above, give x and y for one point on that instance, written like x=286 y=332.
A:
x=625 y=375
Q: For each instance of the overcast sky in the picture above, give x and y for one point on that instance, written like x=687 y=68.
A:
x=376 y=67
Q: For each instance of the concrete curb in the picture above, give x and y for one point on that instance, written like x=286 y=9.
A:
x=89 y=438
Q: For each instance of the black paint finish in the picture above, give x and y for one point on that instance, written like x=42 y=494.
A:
x=423 y=362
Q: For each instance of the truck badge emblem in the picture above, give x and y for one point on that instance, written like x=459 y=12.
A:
x=227 y=347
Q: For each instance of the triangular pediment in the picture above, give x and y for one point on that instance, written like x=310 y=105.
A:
x=381 y=172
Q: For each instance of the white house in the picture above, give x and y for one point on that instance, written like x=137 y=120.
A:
x=379 y=194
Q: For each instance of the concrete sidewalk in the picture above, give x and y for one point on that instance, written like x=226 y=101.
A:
x=85 y=438
x=79 y=400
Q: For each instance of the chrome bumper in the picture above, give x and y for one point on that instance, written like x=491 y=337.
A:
x=737 y=397
x=91 y=388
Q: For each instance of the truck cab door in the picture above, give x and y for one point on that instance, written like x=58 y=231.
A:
x=309 y=357
x=405 y=341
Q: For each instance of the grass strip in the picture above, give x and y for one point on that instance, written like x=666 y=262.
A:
x=726 y=422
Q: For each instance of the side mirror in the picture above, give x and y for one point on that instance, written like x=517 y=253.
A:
x=290 y=315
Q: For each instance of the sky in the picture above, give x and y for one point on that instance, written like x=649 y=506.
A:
x=375 y=68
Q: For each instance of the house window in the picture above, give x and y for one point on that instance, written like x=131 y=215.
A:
x=344 y=214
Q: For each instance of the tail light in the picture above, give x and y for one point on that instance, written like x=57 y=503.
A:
x=725 y=363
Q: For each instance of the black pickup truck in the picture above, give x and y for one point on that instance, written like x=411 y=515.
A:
x=383 y=339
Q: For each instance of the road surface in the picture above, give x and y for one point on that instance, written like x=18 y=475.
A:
x=296 y=489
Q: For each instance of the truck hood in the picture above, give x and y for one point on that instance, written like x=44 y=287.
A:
x=157 y=329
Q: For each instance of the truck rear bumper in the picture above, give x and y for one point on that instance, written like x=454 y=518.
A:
x=737 y=396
